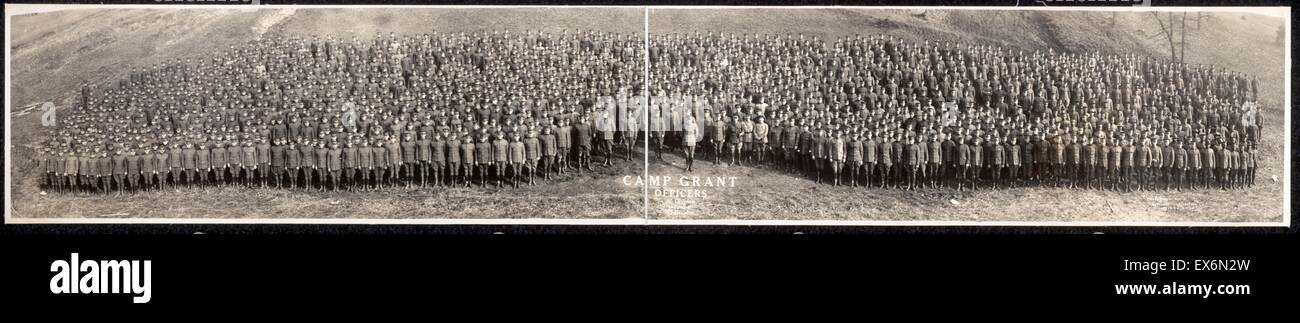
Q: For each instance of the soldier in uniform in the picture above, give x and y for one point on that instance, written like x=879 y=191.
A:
x=820 y=153
x=334 y=164
x=68 y=174
x=869 y=158
x=1194 y=165
x=250 y=165
x=44 y=161
x=997 y=161
x=886 y=160
x=423 y=157
x=468 y=147
x=963 y=161
x=1058 y=152
x=607 y=133
x=409 y=164
x=1208 y=165
x=105 y=166
x=132 y=169
x=148 y=169
x=854 y=149
x=188 y=162
x=86 y=170
x=307 y=154
x=220 y=162
x=1179 y=169
x=1073 y=161
x=934 y=160
x=734 y=132
x=564 y=144
x=838 y=154
x=396 y=158
x=518 y=155
x=202 y=162
x=583 y=135
x=1089 y=163
x=319 y=157
x=279 y=161
x=483 y=158
x=1014 y=161
x=502 y=157
x=979 y=152
x=452 y=145
x=550 y=151
x=292 y=163
x=1127 y=162
x=1141 y=158
x=790 y=147
x=532 y=153
x=1167 y=152
x=747 y=139
x=264 y=161
x=688 y=140
x=119 y=171
x=1221 y=165
x=366 y=169
x=719 y=138
x=437 y=158
x=760 y=139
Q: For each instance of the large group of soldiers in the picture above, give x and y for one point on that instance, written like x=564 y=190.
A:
x=879 y=111
x=502 y=107
x=293 y=112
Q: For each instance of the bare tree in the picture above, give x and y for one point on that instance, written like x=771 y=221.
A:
x=1175 y=33
x=1182 y=51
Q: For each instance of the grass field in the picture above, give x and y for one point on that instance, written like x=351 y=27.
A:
x=54 y=52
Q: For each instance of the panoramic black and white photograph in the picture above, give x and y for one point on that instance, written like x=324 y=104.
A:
x=323 y=113
x=1121 y=116
x=659 y=115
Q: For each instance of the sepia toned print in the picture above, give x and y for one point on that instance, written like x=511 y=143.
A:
x=648 y=115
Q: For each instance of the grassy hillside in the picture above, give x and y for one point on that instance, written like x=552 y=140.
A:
x=1233 y=40
x=54 y=52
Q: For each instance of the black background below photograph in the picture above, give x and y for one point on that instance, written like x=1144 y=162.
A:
x=238 y=267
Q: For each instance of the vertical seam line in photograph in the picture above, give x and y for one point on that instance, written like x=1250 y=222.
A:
x=645 y=111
